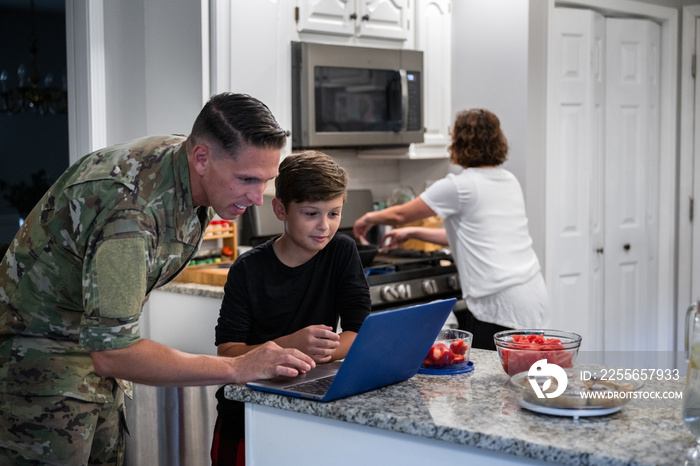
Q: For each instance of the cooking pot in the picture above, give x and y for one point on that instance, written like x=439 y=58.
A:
x=367 y=253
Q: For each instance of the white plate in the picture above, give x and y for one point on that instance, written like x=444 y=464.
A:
x=575 y=413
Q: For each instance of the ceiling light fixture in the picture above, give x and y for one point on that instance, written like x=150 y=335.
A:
x=29 y=95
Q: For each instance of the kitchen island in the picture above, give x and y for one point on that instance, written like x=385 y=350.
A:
x=446 y=419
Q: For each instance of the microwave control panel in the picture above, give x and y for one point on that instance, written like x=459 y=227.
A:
x=414 y=122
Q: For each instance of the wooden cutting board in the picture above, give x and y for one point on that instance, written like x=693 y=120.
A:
x=203 y=274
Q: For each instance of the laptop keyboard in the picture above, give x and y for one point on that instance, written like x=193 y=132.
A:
x=315 y=387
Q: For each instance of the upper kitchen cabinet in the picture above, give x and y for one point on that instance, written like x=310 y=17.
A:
x=376 y=19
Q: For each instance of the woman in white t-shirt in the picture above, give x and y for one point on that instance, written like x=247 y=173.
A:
x=485 y=226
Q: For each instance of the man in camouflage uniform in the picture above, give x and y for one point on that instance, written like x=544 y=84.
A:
x=117 y=224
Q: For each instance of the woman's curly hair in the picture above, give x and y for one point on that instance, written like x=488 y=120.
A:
x=477 y=139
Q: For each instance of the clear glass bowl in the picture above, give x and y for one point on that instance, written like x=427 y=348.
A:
x=517 y=354
x=450 y=350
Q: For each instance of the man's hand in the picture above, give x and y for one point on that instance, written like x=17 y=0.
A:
x=270 y=360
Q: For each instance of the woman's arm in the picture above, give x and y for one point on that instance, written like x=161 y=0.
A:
x=415 y=209
x=398 y=236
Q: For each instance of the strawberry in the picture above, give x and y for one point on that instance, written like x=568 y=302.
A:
x=458 y=358
x=439 y=355
x=437 y=352
x=459 y=347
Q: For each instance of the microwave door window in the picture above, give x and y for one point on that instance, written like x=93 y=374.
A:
x=356 y=100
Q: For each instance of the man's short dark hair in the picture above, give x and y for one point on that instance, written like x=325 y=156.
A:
x=310 y=176
x=233 y=120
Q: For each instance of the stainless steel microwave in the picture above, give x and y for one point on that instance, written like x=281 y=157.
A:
x=363 y=97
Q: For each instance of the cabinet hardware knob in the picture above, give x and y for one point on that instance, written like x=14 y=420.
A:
x=353 y=16
x=365 y=18
x=599 y=250
x=627 y=247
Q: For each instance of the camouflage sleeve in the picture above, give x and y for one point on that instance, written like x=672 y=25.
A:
x=115 y=283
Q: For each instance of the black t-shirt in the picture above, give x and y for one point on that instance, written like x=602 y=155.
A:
x=265 y=299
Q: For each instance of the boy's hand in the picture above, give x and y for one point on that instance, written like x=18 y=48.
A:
x=317 y=341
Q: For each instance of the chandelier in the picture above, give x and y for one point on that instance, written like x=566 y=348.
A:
x=32 y=94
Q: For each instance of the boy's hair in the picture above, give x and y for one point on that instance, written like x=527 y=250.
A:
x=310 y=176
x=234 y=120
x=477 y=139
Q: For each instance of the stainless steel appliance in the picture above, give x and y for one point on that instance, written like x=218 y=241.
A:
x=345 y=96
x=398 y=277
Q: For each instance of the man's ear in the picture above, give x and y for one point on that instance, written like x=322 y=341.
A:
x=201 y=155
x=278 y=209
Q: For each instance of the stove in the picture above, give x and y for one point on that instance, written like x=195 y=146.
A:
x=400 y=277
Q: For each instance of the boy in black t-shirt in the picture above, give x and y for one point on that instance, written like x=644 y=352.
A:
x=293 y=289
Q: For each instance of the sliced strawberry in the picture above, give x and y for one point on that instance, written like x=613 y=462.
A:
x=437 y=352
x=459 y=347
x=458 y=358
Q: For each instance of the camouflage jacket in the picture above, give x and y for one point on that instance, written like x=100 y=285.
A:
x=117 y=224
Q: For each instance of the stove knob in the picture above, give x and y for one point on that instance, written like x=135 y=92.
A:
x=389 y=293
x=453 y=282
x=404 y=291
x=430 y=286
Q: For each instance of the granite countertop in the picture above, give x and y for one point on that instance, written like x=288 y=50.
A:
x=481 y=409
x=194 y=289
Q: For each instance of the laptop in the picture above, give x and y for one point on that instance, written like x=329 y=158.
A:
x=389 y=348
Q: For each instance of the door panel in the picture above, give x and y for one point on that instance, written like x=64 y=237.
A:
x=574 y=177
x=602 y=180
x=632 y=155
x=695 y=268
x=327 y=16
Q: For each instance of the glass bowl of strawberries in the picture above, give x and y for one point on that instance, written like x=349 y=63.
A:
x=520 y=349
x=450 y=350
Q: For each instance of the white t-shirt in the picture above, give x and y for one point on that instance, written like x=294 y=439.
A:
x=484 y=214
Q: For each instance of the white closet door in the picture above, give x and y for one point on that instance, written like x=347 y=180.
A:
x=695 y=275
x=575 y=167
x=632 y=188
x=603 y=180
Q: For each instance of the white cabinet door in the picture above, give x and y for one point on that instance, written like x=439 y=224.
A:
x=383 y=19
x=434 y=38
x=632 y=184
x=377 y=19
x=327 y=17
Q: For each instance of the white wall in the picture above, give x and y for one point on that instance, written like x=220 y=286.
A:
x=125 y=74
x=489 y=68
x=153 y=67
